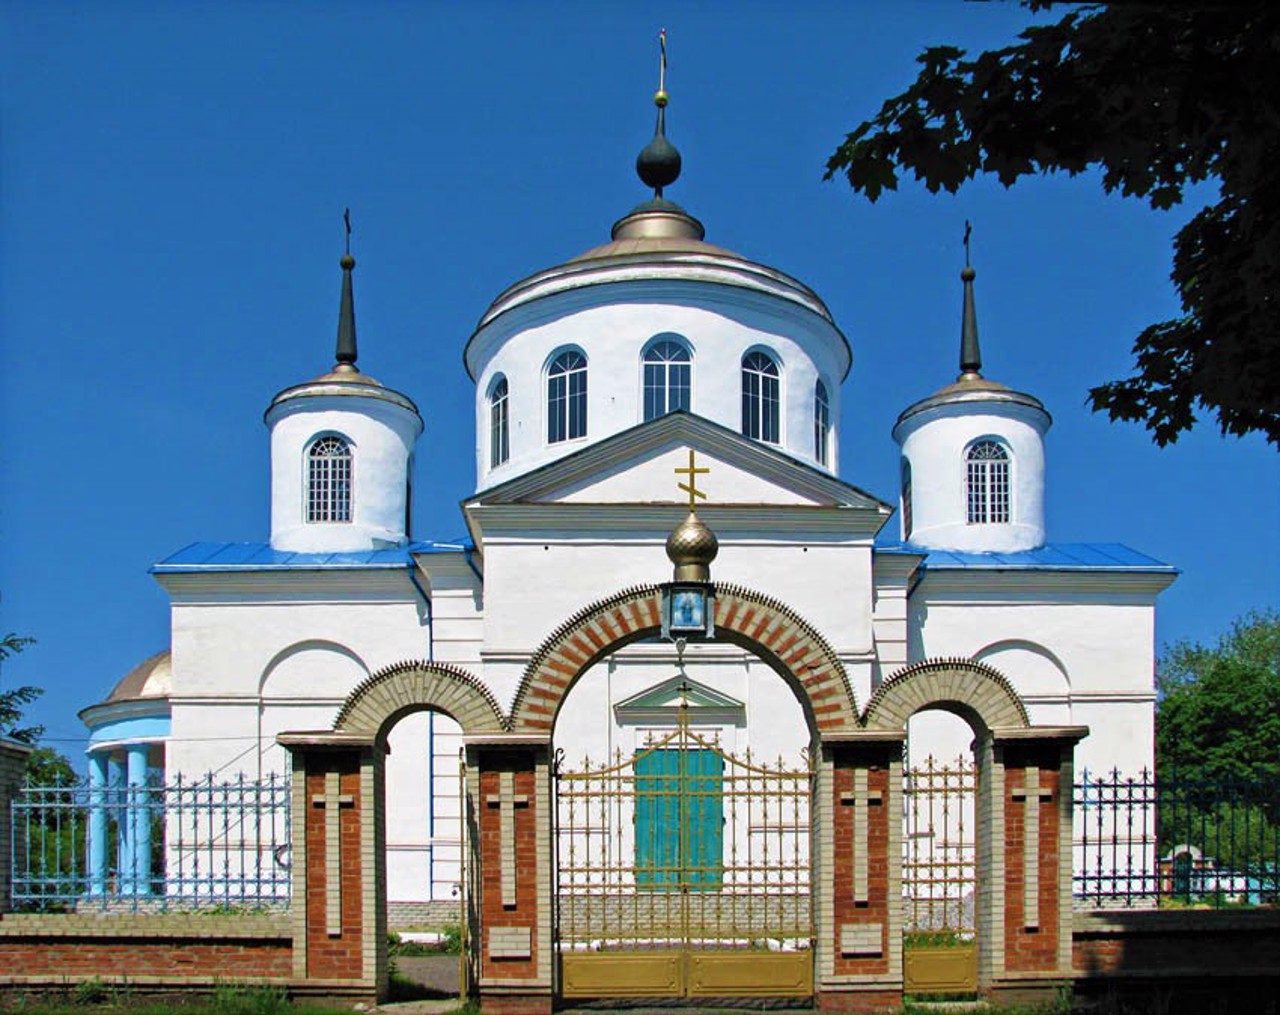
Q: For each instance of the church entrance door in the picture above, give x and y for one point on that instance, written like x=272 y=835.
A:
x=684 y=871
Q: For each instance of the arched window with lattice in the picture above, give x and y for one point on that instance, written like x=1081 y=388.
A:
x=761 y=398
x=567 y=397
x=821 y=423
x=499 y=423
x=329 y=480
x=987 y=483
x=667 y=378
x=906 y=499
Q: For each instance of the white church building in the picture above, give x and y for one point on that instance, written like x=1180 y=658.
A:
x=595 y=380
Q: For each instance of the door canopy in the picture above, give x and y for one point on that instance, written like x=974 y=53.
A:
x=973 y=691
x=764 y=626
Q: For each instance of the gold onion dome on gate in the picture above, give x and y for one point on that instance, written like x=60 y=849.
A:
x=692 y=547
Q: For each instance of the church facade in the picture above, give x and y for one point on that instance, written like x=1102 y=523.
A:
x=604 y=386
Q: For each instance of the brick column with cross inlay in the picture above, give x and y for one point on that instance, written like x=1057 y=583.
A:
x=339 y=891
x=509 y=810
x=859 y=873
x=1029 y=805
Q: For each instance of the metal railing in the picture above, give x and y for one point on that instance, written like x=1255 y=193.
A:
x=939 y=848
x=187 y=845
x=1167 y=840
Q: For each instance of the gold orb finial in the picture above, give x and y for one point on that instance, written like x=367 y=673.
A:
x=692 y=547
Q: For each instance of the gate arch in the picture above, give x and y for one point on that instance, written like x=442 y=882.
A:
x=391 y=693
x=973 y=690
x=781 y=637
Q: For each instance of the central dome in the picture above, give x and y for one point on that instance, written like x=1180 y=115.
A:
x=653 y=321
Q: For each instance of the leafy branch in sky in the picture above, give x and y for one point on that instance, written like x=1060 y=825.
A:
x=13 y=700
x=1157 y=97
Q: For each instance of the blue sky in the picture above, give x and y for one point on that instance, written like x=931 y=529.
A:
x=172 y=179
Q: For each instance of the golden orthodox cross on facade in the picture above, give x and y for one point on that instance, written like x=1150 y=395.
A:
x=691 y=488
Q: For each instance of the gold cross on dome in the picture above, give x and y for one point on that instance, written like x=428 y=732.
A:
x=691 y=487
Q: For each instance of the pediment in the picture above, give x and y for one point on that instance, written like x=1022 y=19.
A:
x=662 y=703
x=637 y=466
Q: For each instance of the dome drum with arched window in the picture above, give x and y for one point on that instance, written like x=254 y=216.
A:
x=341 y=449
x=973 y=459
x=661 y=335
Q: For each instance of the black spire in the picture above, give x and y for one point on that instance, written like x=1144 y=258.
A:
x=347 y=309
x=970 y=354
x=658 y=163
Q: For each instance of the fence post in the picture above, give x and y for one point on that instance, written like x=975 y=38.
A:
x=13 y=763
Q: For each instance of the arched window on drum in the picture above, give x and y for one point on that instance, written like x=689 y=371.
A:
x=567 y=397
x=499 y=423
x=329 y=480
x=761 y=398
x=668 y=382
x=987 y=493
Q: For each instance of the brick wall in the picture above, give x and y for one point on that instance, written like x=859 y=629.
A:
x=1031 y=947
x=861 y=924
x=329 y=955
x=1110 y=946
x=143 y=950
x=508 y=884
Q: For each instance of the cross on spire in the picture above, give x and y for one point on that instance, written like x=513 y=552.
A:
x=691 y=488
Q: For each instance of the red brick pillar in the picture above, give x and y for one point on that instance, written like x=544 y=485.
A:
x=510 y=905
x=1029 y=791
x=859 y=872
x=339 y=886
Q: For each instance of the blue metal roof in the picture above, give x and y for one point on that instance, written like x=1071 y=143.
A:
x=1050 y=557
x=261 y=557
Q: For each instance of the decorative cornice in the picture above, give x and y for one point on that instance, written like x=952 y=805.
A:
x=1057 y=583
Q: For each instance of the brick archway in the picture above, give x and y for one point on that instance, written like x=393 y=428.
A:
x=975 y=691
x=765 y=626
x=391 y=693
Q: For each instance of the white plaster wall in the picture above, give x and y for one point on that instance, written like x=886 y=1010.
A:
x=1099 y=655
x=532 y=586
x=423 y=845
x=935 y=442
x=588 y=729
x=250 y=664
x=612 y=325
x=382 y=436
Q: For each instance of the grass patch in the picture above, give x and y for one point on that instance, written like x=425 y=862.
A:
x=96 y=996
x=450 y=943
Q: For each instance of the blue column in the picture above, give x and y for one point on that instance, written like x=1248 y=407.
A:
x=140 y=819
x=116 y=796
x=97 y=823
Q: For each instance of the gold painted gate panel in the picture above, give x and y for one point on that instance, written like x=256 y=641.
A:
x=684 y=871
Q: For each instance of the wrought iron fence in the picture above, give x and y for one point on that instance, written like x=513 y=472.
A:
x=939 y=854
x=187 y=845
x=1160 y=840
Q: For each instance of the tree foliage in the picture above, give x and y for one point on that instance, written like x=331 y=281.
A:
x=13 y=700
x=1157 y=97
x=1218 y=715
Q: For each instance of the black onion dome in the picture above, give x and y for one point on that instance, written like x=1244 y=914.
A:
x=658 y=164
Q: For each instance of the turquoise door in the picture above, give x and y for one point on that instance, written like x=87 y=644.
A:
x=679 y=819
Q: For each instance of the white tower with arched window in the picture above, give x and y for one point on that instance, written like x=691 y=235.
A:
x=973 y=459
x=341 y=455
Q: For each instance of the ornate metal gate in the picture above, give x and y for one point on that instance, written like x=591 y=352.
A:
x=684 y=871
